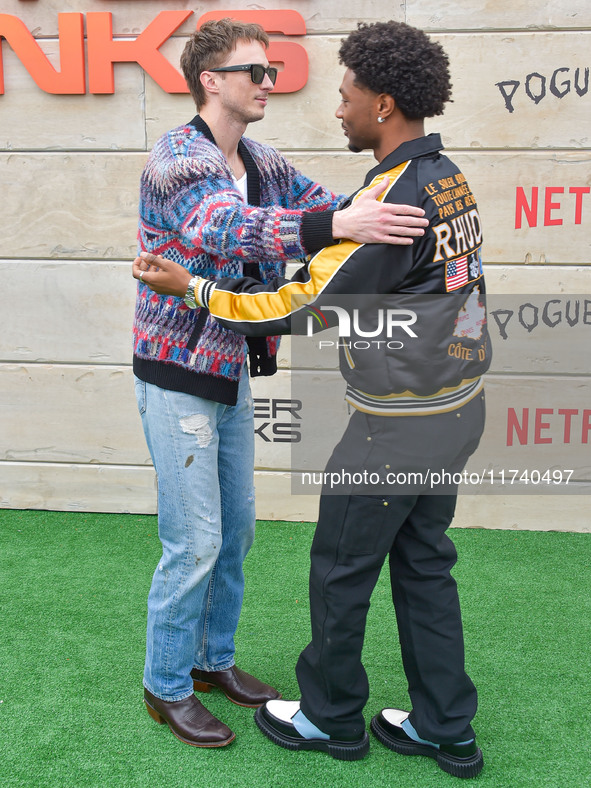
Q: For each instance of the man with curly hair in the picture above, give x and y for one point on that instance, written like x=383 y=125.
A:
x=414 y=410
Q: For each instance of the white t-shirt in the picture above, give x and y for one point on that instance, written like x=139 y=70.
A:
x=241 y=186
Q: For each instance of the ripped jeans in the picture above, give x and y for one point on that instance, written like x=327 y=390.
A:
x=203 y=453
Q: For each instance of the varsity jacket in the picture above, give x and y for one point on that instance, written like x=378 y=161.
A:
x=414 y=336
x=191 y=212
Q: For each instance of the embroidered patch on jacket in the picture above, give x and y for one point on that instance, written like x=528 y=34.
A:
x=461 y=270
x=471 y=317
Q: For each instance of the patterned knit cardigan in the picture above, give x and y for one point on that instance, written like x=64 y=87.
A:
x=191 y=212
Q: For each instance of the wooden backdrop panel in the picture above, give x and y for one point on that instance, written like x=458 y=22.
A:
x=34 y=120
x=545 y=111
x=84 y=205
x=521 y=90
x=502 y=14
x=533 y=423
x=133 y=489
x=70 y=205
x=93 y=488
x=88 y=414
x=495 y=179
x=70 y=435
x=130 y=18
x=70 y=413
x=84 y=312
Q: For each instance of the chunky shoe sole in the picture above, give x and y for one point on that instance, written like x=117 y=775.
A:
x=341 y=750
x=155 y=715
x=458 y=767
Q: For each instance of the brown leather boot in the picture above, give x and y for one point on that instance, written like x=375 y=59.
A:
x=189 y=720
x=239 y=687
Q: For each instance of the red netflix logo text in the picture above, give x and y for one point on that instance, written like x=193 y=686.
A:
x=552 y=205
x=548 y=425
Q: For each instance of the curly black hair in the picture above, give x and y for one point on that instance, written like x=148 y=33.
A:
x=402 y=61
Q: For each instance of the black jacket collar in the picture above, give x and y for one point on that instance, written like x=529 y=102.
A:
x=253 y=180
x=408 y=150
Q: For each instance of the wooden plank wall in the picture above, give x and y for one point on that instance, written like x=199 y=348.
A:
x=70 y=435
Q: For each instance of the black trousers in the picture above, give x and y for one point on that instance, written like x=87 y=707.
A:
x=355 y=534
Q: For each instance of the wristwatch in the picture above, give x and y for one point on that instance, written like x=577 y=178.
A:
x=189 y=298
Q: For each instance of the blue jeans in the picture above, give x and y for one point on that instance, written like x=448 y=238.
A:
x=203 y=453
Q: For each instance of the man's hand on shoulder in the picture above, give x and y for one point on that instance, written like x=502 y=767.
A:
x=367 y=220
x=163 y=276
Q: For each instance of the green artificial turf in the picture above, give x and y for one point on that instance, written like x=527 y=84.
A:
x=73 y=591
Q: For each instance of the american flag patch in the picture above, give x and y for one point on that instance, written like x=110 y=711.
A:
x=456 y=273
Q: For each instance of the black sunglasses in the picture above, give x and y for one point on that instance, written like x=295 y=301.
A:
x=257 y=71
